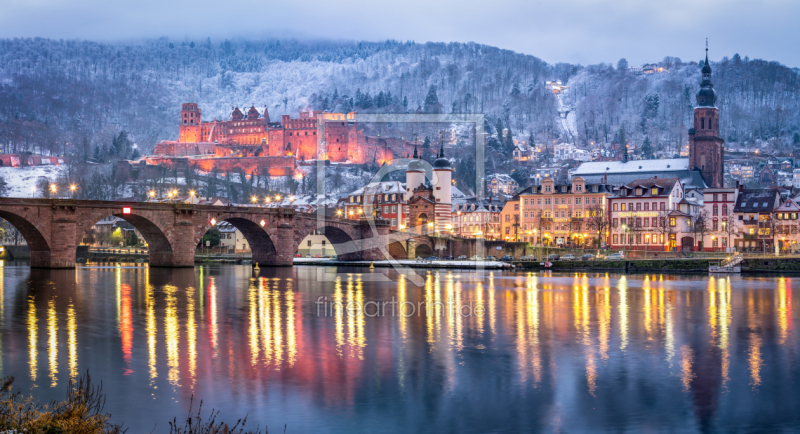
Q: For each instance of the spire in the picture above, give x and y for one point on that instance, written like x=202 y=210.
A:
x=415 y=151
x=441 y=151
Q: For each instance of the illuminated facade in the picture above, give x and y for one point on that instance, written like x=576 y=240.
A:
x=645 y=215
x=562 y=214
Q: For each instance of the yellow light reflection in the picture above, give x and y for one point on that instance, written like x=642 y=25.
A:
x=33 y=353
x=72 y=340
x=252 y=331
x=152 y=330
x=277 y=341
x=291 y=338
x=52 y=341
x=172 y=335
x=191 y=335
x=754 y=346
x=338 y=311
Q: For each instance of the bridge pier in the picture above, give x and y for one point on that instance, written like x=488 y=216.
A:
x=284 y=248
x=62 y=246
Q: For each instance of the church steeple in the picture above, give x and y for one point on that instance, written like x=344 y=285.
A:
x=706 y=96
x=706 y=147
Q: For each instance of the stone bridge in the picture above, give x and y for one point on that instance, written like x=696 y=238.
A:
x=53 y=228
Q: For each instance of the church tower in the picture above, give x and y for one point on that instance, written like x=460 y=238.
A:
x=706 y=148
x=189 y=130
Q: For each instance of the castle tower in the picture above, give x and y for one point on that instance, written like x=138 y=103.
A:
x=442 y=191
x=706 y=148
x=189 y=130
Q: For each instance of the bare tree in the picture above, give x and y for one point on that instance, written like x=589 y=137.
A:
x=699 y=224
x=596 y=220
x=730 y=227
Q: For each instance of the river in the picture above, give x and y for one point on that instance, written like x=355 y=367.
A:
x=325 y=349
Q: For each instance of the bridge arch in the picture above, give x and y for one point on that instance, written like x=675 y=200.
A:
x=159 y=247
x=40 y=248
x=260 y=243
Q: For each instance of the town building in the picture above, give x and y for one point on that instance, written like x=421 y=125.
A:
x=524 y=153
x=477 y=219
x=568 y=151
x=500 y=183
x=754 y=217
x=645 y=215
x=796 y=179
x=719 y=217
x=317 y=245
x=510 y=224
x=787 y=218
x=231 y=240
x=566 y=214
x=379 y=200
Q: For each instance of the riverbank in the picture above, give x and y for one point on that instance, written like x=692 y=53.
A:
x=749 y=265
x=410 y=263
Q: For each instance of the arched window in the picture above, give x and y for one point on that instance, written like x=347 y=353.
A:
x=702 y=123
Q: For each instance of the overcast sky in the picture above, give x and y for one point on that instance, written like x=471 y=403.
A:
x=576 y=31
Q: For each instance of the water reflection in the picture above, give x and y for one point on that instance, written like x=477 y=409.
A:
x=481 y=352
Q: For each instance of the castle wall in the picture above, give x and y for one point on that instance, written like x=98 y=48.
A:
x=277 y=166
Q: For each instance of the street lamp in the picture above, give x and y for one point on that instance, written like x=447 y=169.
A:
x=53 y=189
x=72 y=189
x=254 y=199
x=33 y=191
x=339 y=212
x=152 y=194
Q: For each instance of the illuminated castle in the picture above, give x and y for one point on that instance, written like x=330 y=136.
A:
x=254 y=135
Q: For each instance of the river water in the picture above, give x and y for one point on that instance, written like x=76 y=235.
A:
x=322 y=349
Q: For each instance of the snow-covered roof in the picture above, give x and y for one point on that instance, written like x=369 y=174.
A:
x=386 y=187
x=639 y=166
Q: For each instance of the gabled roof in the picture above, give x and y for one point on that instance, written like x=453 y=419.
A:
x=788 y=206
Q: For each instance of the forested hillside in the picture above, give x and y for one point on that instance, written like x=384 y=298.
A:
x=759 y=103
x=74 y=97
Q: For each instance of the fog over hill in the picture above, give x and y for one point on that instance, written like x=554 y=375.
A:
x=75 y=96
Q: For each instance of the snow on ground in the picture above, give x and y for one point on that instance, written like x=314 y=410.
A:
x=20 y=180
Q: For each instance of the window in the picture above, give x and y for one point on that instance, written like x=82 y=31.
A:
x=526 y=201
x=538 y=201
x=516 y=207
x=615 y=239
x=724 y=209
x=715 y=209
x=663 y=206
x=638 y=206
x=646 y=206
x=309 y=243
x=614 y=207
x=394 y=222
x=724 y=197
x=622 y=207
x=655 y=191
x=672 y=221
x=508 y=218
x=715 y=197
x=547 y=201
x=614 y=222
x=647 y=221
x=715 y=225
